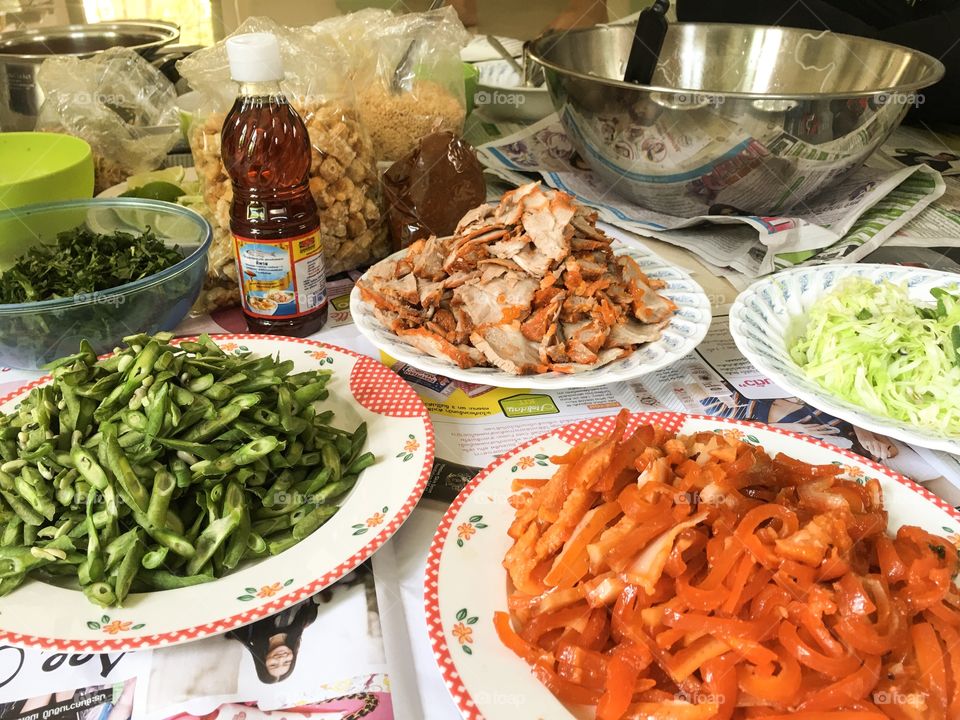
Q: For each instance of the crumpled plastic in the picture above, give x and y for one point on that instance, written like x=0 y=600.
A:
x=119 y=103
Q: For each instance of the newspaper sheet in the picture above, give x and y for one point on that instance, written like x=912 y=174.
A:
x=844 y=224
x=938 y=225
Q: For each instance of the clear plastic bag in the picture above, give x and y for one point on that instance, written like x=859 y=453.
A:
x=408 y=71
x=343 y=175
x=116 y=101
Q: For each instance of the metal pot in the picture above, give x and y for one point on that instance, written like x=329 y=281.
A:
x=22 y=52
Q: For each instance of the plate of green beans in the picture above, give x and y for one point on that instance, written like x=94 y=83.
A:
x=178 y=488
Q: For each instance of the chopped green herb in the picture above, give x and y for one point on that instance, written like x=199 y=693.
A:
x=83 y=261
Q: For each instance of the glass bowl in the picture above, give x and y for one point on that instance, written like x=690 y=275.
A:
x=35 y=333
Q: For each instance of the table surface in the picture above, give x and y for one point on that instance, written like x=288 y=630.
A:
x=401 y=562
x=417 y=687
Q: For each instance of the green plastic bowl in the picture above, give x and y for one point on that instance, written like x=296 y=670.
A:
x=43 y=167
x=34 y=333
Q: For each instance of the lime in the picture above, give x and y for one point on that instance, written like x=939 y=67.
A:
x=157 y=190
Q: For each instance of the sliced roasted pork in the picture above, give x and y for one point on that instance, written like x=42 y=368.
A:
x=592 y=334
x=533 y=261
x=539 y=323
x=427 y=258
x=433 y=344
x=546 y=219
x=429 y=291
x=630 y=332
x=504 y=299
x=506 y=348
x=509 y=247
x=475 y=218
x=528 y=285
x=648 y=305
x=510 y=209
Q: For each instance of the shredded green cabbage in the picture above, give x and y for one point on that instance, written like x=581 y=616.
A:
x=873 y=346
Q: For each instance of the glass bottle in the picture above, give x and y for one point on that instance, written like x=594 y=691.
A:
x=273 y=217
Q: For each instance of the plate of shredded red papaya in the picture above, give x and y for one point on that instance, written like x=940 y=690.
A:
x=530 y=292
x=673 y=567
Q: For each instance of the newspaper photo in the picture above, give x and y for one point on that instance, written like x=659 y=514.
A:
x=324 y=655
x=938 y=225
x=45 y=685
x=921 y=146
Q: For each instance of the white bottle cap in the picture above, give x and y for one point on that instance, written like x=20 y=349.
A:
x=255 y=57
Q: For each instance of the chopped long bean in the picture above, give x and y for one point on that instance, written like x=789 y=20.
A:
x=165 y=465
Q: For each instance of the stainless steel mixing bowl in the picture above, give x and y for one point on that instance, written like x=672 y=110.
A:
x=738 y=118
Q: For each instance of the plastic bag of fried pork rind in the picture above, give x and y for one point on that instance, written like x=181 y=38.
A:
x=116 y=101
x=343 y=174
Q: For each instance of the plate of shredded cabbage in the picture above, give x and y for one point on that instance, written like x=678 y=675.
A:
x=876 y=345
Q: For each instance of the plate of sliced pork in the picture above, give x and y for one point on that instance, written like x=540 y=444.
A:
x=530 y=293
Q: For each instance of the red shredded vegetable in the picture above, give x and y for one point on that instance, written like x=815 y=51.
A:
x=697 y=578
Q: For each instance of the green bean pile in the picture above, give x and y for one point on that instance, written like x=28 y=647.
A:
x=164 y=466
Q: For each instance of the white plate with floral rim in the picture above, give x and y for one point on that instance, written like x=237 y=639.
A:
x=465 y=581
x=399 y=433
x=767 y=318
x=686 y=330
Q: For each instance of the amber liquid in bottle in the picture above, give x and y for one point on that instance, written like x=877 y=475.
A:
x=266 y=153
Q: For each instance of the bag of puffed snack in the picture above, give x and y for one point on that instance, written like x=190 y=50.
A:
x=343 y=174
x=116 y=101
x=408 y=73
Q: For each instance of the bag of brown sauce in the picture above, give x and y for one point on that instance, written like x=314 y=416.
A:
x=431 y=188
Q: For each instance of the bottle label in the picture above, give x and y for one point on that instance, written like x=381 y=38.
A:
x=281 y=278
